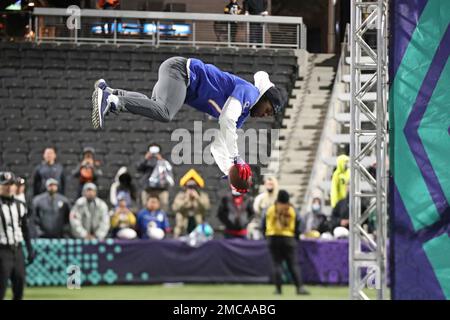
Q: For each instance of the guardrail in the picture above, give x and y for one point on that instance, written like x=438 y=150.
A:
x=163 y=28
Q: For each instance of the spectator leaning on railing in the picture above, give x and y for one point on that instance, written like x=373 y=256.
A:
x=51 y=213
x=233 y=8
x=256 y=7
x=49 y=168
x=89 y=218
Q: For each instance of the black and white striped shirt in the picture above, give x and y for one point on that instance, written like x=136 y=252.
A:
x=12 y=215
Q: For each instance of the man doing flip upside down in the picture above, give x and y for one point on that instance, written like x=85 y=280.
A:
x=204 y=87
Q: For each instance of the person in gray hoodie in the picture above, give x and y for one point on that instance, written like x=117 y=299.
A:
x=89 y=218
x=51 y=212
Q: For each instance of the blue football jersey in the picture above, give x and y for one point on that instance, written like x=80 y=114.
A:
x=209 y=87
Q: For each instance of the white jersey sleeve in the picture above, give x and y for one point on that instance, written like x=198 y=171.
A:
x=224 y=148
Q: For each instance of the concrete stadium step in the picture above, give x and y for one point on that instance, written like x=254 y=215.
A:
x=301 y=128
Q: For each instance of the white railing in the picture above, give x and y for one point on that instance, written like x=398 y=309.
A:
x=162 y=28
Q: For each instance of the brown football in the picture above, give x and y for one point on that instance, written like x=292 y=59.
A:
x=236 y=181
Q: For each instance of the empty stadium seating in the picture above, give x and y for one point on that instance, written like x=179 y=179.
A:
x=45 y=94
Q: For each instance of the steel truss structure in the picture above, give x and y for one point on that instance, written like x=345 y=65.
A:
x=368 y=41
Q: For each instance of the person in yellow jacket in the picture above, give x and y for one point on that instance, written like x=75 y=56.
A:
x=340 y=179
x=281 y=226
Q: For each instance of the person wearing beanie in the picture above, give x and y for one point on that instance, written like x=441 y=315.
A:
x=281 y=226
x=89 y=218
x=51 y=212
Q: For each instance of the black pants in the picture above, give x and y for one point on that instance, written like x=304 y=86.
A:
x=12 y=267
x=284 y=249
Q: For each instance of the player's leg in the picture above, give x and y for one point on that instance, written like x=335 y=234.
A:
x=168 y=93
x=167 y=98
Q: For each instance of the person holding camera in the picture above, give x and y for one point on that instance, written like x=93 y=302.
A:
x=88 y=170
x=157 y=176
x=190 y=205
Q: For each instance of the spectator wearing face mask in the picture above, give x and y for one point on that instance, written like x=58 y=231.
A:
x=260 y=205
x=235 y=212
x=340 y=179
x=315 y=220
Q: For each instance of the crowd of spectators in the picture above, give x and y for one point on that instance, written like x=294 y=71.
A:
x=144 y=211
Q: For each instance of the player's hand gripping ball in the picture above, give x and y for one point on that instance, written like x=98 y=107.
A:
x=240 y=175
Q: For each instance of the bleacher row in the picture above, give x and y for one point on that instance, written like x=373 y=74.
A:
x=45 y=99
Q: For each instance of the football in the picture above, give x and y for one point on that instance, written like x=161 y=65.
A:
x=236 y=181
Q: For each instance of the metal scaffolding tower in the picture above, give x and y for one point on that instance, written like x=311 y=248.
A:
x=368 y=40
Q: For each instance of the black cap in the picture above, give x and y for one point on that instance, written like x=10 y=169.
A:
x=276 y=98
x=7 y=177
x=283 y=196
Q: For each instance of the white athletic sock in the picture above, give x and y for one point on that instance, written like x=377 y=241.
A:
x=116 y=101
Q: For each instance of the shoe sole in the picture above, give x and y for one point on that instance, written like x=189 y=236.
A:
x=96 y=108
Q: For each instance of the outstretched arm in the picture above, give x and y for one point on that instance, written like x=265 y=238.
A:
x=224 y=148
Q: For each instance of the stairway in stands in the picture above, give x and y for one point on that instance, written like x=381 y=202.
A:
x=303 y=124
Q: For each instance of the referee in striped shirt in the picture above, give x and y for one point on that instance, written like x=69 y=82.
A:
x=13 y=231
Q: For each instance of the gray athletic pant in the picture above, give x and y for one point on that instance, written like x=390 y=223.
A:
x=168 y=94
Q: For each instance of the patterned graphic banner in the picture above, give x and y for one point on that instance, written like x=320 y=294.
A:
x=149 y=261
x=419 y=108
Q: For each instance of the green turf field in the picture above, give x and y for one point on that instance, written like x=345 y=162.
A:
x=186 y=291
